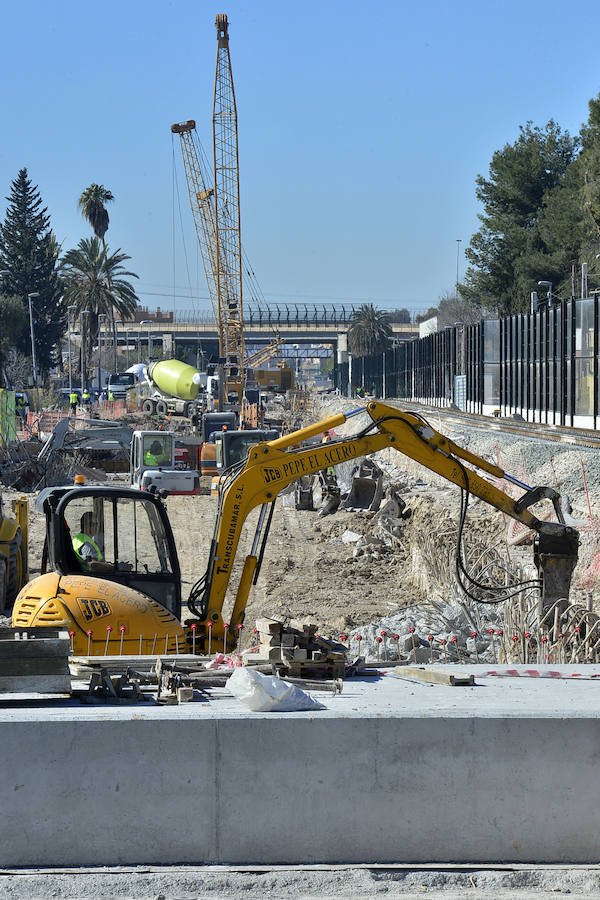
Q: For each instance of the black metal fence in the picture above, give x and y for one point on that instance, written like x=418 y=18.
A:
x=543 y=366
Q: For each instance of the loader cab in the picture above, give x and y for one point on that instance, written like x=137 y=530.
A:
x=129 y=535
x=233 y=446
x=150 y=450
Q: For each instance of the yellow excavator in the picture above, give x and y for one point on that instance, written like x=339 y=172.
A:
x=13 y=541
x=124 y=596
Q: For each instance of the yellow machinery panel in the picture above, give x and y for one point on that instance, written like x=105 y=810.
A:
x=103 y=618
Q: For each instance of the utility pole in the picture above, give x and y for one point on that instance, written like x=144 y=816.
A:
x=101 y=317
x=458 y=243
x=33 y=361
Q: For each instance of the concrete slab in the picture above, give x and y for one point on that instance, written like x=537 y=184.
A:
x=391 y=771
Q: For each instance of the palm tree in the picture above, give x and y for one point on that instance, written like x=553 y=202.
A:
x=92 y=203
x=369 y=331
x=96 y=281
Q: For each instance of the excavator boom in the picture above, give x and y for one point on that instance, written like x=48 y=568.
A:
x=273 y=465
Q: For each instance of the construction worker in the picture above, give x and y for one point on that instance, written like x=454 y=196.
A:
x=73 y=398
x=330 y=470
x=86 y=397
x=155 y=456
x=21 y=405
x=84 y=544
x=111 y=396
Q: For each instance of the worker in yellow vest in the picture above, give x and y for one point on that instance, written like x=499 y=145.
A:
x=73 y=398
x=86 y=397
x=156 y=455
x=84 y=544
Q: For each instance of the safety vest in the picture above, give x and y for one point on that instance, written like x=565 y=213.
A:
x=86 y=395
x=150 y=459
x=86 y=547
x=73 y=398
x=111 y=396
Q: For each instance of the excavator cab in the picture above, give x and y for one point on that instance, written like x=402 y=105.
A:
x=114 y=534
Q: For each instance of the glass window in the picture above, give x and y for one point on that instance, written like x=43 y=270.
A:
x=142 y=547
x=157 y=449
x=584 y=387
x=584 y=324
x=138 y=545
x=491 y=383
x=83 y=518
x=491 y=340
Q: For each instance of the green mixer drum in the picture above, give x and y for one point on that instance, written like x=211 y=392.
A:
x=176 y=378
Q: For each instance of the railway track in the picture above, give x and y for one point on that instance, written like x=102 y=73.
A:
x=576 y=437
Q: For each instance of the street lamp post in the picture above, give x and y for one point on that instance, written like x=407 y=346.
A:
x=547 y=284
x=70 y=309
x=127 y=333
x=144 y=322
x=83 y=330
x=101 y=317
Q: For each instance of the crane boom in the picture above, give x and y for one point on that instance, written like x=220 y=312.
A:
x=227 y=206
x=201 y=193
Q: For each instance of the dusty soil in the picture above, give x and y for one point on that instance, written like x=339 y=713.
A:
x=308 y=571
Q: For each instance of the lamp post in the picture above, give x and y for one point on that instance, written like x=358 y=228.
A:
x=83 y=330
x=547 y=284
x=127 y=333
x=70 y=309
x=145 y=322
x=101 y=317
x=458 y=243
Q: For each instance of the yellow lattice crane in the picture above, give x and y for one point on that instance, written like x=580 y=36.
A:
x=215 y=203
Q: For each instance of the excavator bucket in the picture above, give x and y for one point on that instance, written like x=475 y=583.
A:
x=366 y=488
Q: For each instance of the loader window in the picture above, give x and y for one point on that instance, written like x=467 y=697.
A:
x=142 y=547
x=89 y=521
x=157 y=450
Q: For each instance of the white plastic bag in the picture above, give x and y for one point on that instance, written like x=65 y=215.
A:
x=265 y=693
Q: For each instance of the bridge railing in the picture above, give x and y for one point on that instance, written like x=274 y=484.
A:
x=279 y=315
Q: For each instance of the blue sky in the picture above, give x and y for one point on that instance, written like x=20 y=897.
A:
x=362 y=128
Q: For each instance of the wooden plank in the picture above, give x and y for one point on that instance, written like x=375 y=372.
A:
x=435 y=676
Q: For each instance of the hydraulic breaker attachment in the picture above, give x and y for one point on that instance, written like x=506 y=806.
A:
x=555 y=556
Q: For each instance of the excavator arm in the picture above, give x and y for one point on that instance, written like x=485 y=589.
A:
x=272 y=465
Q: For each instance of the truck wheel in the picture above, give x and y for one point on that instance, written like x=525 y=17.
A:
x=14 y=580
x=161 y=408
x=148 y=407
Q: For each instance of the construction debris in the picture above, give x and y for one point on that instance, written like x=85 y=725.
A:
x=296 y=649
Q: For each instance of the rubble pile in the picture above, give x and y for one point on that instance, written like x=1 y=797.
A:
x=416 y=541
x=296 y=649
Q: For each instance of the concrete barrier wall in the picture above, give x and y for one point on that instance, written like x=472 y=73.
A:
x=298 y=789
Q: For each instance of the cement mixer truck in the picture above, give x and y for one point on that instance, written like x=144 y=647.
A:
x=176 y=388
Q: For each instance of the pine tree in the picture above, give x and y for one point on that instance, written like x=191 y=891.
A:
x=29 y=253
